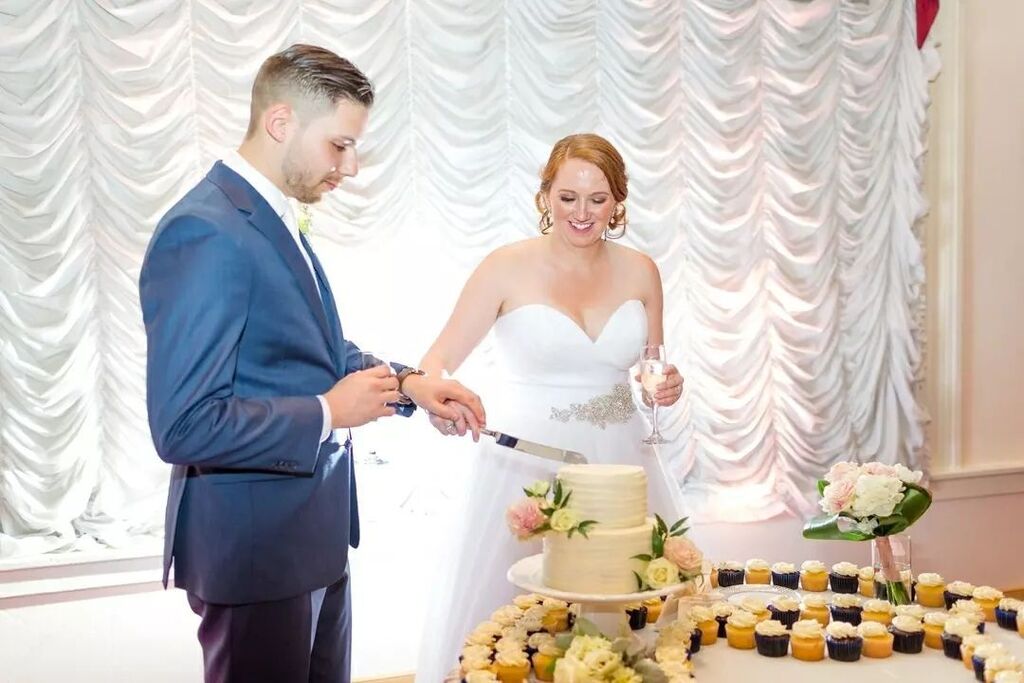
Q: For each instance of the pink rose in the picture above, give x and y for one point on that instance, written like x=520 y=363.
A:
x=838 y=496
x=681 y=552
x=879 y=469
x=842 y=470
x=524 y=518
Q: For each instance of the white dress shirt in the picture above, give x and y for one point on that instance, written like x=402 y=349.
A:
x=283 y=208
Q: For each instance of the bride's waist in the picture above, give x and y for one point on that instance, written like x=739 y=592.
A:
x=606 y=403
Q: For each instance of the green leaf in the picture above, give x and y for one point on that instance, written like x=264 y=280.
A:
x=585 y=627
x=565 y=501
x=681 y=532
x=657 y=544
x=572 y=531
x=679 y=523
x=642 y=558
x=826 y=528
x=821 y=487
x=558 y=493
x=563 y=641
x=662 y=529
x=639 y=581
x=546 y=526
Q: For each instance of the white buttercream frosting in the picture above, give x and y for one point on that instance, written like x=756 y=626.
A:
x=841 y=629
x=813 y=567
x=770 y=627
x=907 y=624
x=930 y=579
x=845 y=569
x=807 y=628
x=872 y=629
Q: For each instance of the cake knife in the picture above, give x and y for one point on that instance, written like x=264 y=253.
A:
x=537 y=449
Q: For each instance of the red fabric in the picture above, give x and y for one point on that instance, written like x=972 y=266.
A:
x=926 y=11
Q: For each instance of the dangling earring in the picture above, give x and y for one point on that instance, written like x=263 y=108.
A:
x=545 y=221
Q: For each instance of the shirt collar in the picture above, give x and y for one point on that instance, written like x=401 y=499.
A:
x=270 y=192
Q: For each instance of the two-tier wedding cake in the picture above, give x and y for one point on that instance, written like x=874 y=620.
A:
x=615 y=498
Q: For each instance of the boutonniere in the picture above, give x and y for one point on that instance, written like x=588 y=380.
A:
x=305 y=220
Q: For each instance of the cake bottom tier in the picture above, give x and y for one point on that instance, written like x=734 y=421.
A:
x=600 y=564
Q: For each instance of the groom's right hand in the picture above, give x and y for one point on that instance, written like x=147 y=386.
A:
x=362 y=397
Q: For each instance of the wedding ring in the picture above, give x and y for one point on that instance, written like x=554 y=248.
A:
x=451 y=428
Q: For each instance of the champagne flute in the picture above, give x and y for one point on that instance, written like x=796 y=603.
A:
x=652 y=373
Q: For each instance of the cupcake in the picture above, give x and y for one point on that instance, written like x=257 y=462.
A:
x=813 y=576
x=511 y=666
x=877 y=640
x=970 y=644
x=545 y=655
x=808 y=641
x=730 y=574
x=653 y=606
x=722 y=611
x=1006 y=613
x=954 y=632
x=479 y=676
x=908 y=635
x=915 y=611
x=772 y=639
x=704 y=618
x=739 y=630
x=1001 y=663
x=475 y=658
x=958 y=590
x=814 y=607
x=844 y=642
x=1020 y=622
x=846 y=607
x=866 y=581
x=988 y=598
x=982 y=654
x=484 y=634
x=557 y=618
x=1008 y=677
x=878 y=610
x=756 y=606
x=758 y=572
x=785 y=610
x=971 y=611
x=843 y=577
x=525 y=602
x=714 y=576
x=506 y=615
x=786 y=575
x=930 y=588
x=637 y=615
x=934 y=626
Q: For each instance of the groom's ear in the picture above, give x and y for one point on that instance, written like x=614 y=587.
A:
x=278 y=119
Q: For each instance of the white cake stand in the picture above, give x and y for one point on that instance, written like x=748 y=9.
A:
x=607 y=612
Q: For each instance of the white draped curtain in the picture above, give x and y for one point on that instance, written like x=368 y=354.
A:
x=775 y=156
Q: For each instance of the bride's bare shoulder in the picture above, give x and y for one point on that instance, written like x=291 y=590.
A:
x=512 y=255
x=634 y=262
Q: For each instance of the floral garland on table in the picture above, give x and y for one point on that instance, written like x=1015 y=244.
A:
x=592 y=658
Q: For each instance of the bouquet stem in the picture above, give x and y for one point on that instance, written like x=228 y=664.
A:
x=897 y=592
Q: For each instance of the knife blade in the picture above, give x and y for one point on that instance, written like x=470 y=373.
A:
x=537 y=449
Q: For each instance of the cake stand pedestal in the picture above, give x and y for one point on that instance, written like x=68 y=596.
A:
x=607 y=612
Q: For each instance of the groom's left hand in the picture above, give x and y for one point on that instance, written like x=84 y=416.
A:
x=431 y=394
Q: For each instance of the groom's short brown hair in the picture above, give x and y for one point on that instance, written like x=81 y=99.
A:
x=307 y=77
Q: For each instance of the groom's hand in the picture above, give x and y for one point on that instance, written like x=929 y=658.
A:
x=431 y=394
x=362 y=397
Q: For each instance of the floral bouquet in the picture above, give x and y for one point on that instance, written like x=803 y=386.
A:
x=544 y=509
x=591 y=658
x=673 y=558
x=870 y=503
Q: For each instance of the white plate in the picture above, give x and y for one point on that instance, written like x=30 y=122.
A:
x=767 y=592
x=528 y=574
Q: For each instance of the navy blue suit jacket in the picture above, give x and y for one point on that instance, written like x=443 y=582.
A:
x=239 y=345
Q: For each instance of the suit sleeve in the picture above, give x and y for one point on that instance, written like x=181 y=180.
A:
x=194 y=289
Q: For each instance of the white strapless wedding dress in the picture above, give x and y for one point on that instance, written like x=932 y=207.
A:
x=559 y=387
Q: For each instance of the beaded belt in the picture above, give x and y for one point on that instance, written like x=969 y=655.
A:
x=615 y=407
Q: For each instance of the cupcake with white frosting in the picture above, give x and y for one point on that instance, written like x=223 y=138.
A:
x=808 y=640
x=954 y=631
x=988 y=598
x=846 y=607
x=843 y=577
x=1006 y=612
x=982 y=654
x=772 y=639
x=785 y=610
x=908 y=635
x=877 y=639
x=758 y=572
x=930 y=588
x=958 y=590
x=814 y=607
x=785 y=574
x=730 y=573
x=844 y=642
x=880 y=611
x=813 y=576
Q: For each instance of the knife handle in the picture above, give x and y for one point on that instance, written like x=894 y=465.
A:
x=501 y=439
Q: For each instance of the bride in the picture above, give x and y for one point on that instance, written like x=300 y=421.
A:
x=571 y=312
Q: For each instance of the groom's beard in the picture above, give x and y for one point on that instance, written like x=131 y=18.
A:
x=300 y=181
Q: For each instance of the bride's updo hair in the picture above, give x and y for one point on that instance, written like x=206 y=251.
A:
x=595 y=150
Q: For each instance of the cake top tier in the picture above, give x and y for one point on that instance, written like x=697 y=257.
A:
x=614 y=496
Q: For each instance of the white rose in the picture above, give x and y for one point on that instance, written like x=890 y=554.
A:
x=908 y=475
x=601 y=663
x=563 y=520
x=876 y=495
x=660 y=573
x=867 y=526
x=538 y=489
x=581 y=646
x=571 y=670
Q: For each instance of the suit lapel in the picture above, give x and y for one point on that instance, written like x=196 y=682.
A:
x=264 y=219
x=333 y=322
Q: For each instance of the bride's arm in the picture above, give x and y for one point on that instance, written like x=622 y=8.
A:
x=474 y=313
x=670 y=390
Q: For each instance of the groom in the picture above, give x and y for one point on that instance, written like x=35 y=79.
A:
x=248 y=376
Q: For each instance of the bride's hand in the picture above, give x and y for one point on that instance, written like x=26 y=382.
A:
x=464 y=421
x=671 y=389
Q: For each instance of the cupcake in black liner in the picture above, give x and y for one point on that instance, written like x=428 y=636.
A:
x=846 y=608
x=722 y=611
x=971 y=611
x=983 y=653
x=908 y=635
x=786 y=575
x=785 y=610
x=843 y=641
x=695 y=638
x=637 y=614
x=1006 y=613
x=953 y=634
x=843 y=578
x=958 y=590
x=730 y=574
x=772 y=638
